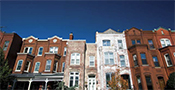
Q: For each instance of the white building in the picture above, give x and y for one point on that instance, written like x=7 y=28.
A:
x=111 y=55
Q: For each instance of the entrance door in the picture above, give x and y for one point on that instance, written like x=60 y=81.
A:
x=161 y=83
x=91 y=83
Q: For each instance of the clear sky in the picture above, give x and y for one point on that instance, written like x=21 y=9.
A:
x=44 y=19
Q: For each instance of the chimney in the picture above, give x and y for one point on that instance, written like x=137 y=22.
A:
x=71 y=36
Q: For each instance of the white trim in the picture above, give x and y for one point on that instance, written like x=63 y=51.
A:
x=75 y=57
x=164 y=40
x=35 y=67
x=166 y=60
x=54 y=37
x=17 y=66
x=92 y=61
x=46 y=65
x=29 y=37
x=56 y=66
x=74 y=78
x=39 y=51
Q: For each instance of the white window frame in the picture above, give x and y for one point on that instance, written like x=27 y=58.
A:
x=74 y=75
x=5 y=46
x=91 y=60
x=55 y=50
x=162 y=32
x=75 y=58
x=135 y=59
x=120 y=45
x=166 y=60
x=18 y=64
x=56 y=62
x=35 y=67
x=122 y=60
x=64 y=53
x=106 y=43
x=49 y=65
x=27 y=67
x=28 y=50
x=164 y=40
x=63 y=66
x=40 y=51
x=109 y=58
x=174 y=54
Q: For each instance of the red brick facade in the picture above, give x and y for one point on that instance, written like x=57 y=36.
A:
x=12 y=48
x=142 y=39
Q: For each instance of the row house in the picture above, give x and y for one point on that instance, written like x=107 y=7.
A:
x=11 y=44
x=150 y=56
x=112 y=56
x=74 y=74
x=40 y=63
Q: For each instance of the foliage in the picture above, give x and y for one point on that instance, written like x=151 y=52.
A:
x=117 y=82
x=61 y=86
x=4 y=70
x=171 y=82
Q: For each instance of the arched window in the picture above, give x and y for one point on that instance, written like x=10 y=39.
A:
x=19 y=65
x=165 y=42
x=75 y=59
x=37 y=65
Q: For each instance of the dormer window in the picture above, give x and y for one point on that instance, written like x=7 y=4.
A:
x=165 y=42
x=106 y=42
x=28 y=50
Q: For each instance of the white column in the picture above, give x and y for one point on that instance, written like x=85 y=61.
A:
x=46 y=83
x=29 y=83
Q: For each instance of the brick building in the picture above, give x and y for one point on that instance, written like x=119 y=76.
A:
x=11 y=44
x=40 y=62
x=91 y=75
x=147 y=52
x=74 y=74
x=112 y=55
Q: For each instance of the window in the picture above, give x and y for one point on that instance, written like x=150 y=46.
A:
x=26 y=69
x=5 y=45
x=40 y=51
x=106 y=42
x=135 y=60
x=139 y=82
x=65 y=48
x=174 y=54
x=151 y=45
x=63 y=66
x=37 y=65
x=109 y=77
x=48 y=65
x=28 y=50
x=156 y=62
x=55 y=66
x=74 y=78
x=168 y=60
x=75 y=58
x=162 y=32
x=122 y=60
x=149 y=82
x=109 y=58
x=19 y=65
x=136 y=41
x=53 y=50
x=165 y=42
x=143 y=58
x=91 y=61
x=120 y=44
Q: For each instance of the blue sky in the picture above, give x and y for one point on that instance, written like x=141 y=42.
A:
x=44 y=19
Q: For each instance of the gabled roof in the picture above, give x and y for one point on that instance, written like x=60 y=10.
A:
x=30 y=37
x=110 y=31
x=55 y=37
x=160 y=28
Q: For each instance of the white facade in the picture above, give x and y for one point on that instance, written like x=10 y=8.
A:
x=112 y=52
